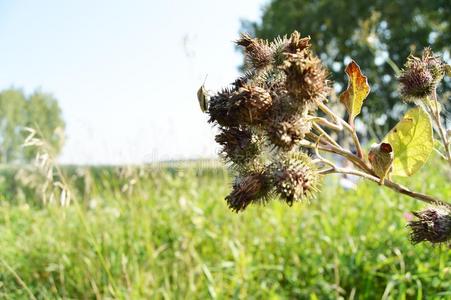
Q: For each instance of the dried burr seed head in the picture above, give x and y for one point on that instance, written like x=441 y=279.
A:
x=296 y=43
x=262 y=118
x=285 y=134
x=249 y=104
x=258 y=53
x=245 y=105
x=306 y=78
x=420 y=76
x=219 y=109
x=432 y=225
x=239 y=145
x=251 y=188
x=435 y=64
x=296 y=178
x=416 y=81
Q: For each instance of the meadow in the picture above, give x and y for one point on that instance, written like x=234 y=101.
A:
x=165 y=232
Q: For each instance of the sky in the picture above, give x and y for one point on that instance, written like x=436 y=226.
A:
x=125 y=73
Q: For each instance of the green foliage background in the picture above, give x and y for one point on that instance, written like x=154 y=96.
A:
x=164 y=232
x=363 y=30
x=39 y=111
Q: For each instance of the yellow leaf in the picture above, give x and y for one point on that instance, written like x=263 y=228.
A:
x=412 y=142
x=357 y=91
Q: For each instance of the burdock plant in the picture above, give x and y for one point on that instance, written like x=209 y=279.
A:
x=275 y=126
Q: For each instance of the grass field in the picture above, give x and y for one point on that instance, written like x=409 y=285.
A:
x=166 y=233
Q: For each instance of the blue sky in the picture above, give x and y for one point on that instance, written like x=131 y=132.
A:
x=125 y=72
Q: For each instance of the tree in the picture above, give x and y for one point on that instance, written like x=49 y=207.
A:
x=39 y=111
x=377 y=34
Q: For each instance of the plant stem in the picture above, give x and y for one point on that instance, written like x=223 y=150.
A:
x=346 y=125
x=342 y=152
x=435 y=114
x=326 y=135
x=388 y=183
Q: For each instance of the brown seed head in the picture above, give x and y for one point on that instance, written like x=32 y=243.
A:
x=306 y=78
x=420 y=76
x=238 y=145
x=219 y=109
x=250 y=104
x=258 y=53
x=432 y=225
x=296 y=178
x=416 y=81
x=435 y=64
x=296 y=43
x=285 y=134
x=248 y=189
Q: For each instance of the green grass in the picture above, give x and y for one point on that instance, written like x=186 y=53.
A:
x=171 y=236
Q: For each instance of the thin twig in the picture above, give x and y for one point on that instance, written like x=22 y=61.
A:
x=321 y=158
x=340 y=121
x=342 y=152
x=327 y=123
x=390 y=184
x=326 y=135
x=436 y=116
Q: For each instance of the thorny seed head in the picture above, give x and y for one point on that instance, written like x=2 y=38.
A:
x=239 y=145
x=435 y=64
x=420 y=76
x=251 y=188
x=249 y=104
x=219 y=109
x=296 y=178
x=263 y=117
x=416 y=81
x=285 y=134
x=296 y=43
x=432 y=225
x=258 y=53
x=306 y=78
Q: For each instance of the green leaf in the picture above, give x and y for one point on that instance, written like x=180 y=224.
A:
x=357 y=91
x=412 y=142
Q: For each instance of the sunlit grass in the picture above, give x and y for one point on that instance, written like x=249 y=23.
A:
x=167 y=233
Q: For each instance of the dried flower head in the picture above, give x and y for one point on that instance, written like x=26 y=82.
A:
x=296 y=178
x=306 y=78
x=435 y=64
x=263 y=117
x=296 y=43
x=286 y=134
x=420 y=76
x=249 y=104
x=219 y=109
x=252 y=188
x=433 y=225
x=416 y=81
x=258 y=52
x=238 y=145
